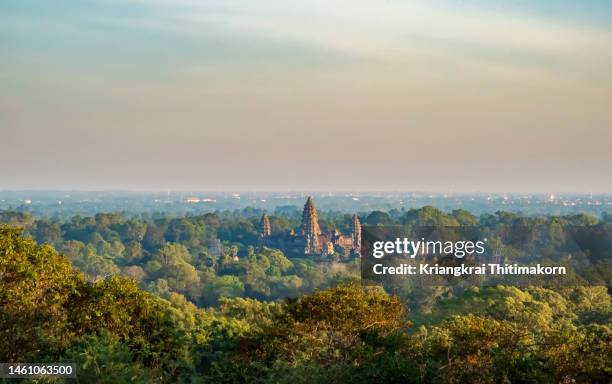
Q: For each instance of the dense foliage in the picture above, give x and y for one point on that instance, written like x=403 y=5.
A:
x=218 y=255
x=203 y=258
x=220 y=318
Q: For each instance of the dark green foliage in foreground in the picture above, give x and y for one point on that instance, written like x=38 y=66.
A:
x=48 y=308
x=362 y=338
x=117 y=333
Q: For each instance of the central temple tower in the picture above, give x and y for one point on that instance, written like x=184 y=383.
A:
x=310 y=228
x=265 y=229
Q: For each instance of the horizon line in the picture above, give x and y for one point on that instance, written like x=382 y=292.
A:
x=304 y=191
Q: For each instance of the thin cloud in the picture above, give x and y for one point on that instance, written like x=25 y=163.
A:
x=394 y=32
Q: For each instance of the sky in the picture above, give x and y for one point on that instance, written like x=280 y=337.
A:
x=329 y=95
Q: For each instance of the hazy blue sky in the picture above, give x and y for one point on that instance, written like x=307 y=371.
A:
x=322 y=94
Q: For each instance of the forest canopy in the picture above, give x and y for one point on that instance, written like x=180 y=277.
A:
x=143 y=299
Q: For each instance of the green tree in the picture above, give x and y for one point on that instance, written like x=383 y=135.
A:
x=104 y=359
x=36 y=287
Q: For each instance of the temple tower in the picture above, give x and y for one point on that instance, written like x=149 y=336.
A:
x=310 y=228
x=356 y=233
x=265 y=229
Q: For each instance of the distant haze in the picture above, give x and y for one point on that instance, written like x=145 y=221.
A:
x=317 y=95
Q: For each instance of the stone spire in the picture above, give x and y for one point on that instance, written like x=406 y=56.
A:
x=310 y=228
x=356 y=233
x=265 y=229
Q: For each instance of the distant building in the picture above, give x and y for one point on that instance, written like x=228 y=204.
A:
x=265 y=229
x=308 y=240
x=310 y=228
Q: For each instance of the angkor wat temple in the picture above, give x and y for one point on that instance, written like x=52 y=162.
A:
x=308 y=240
